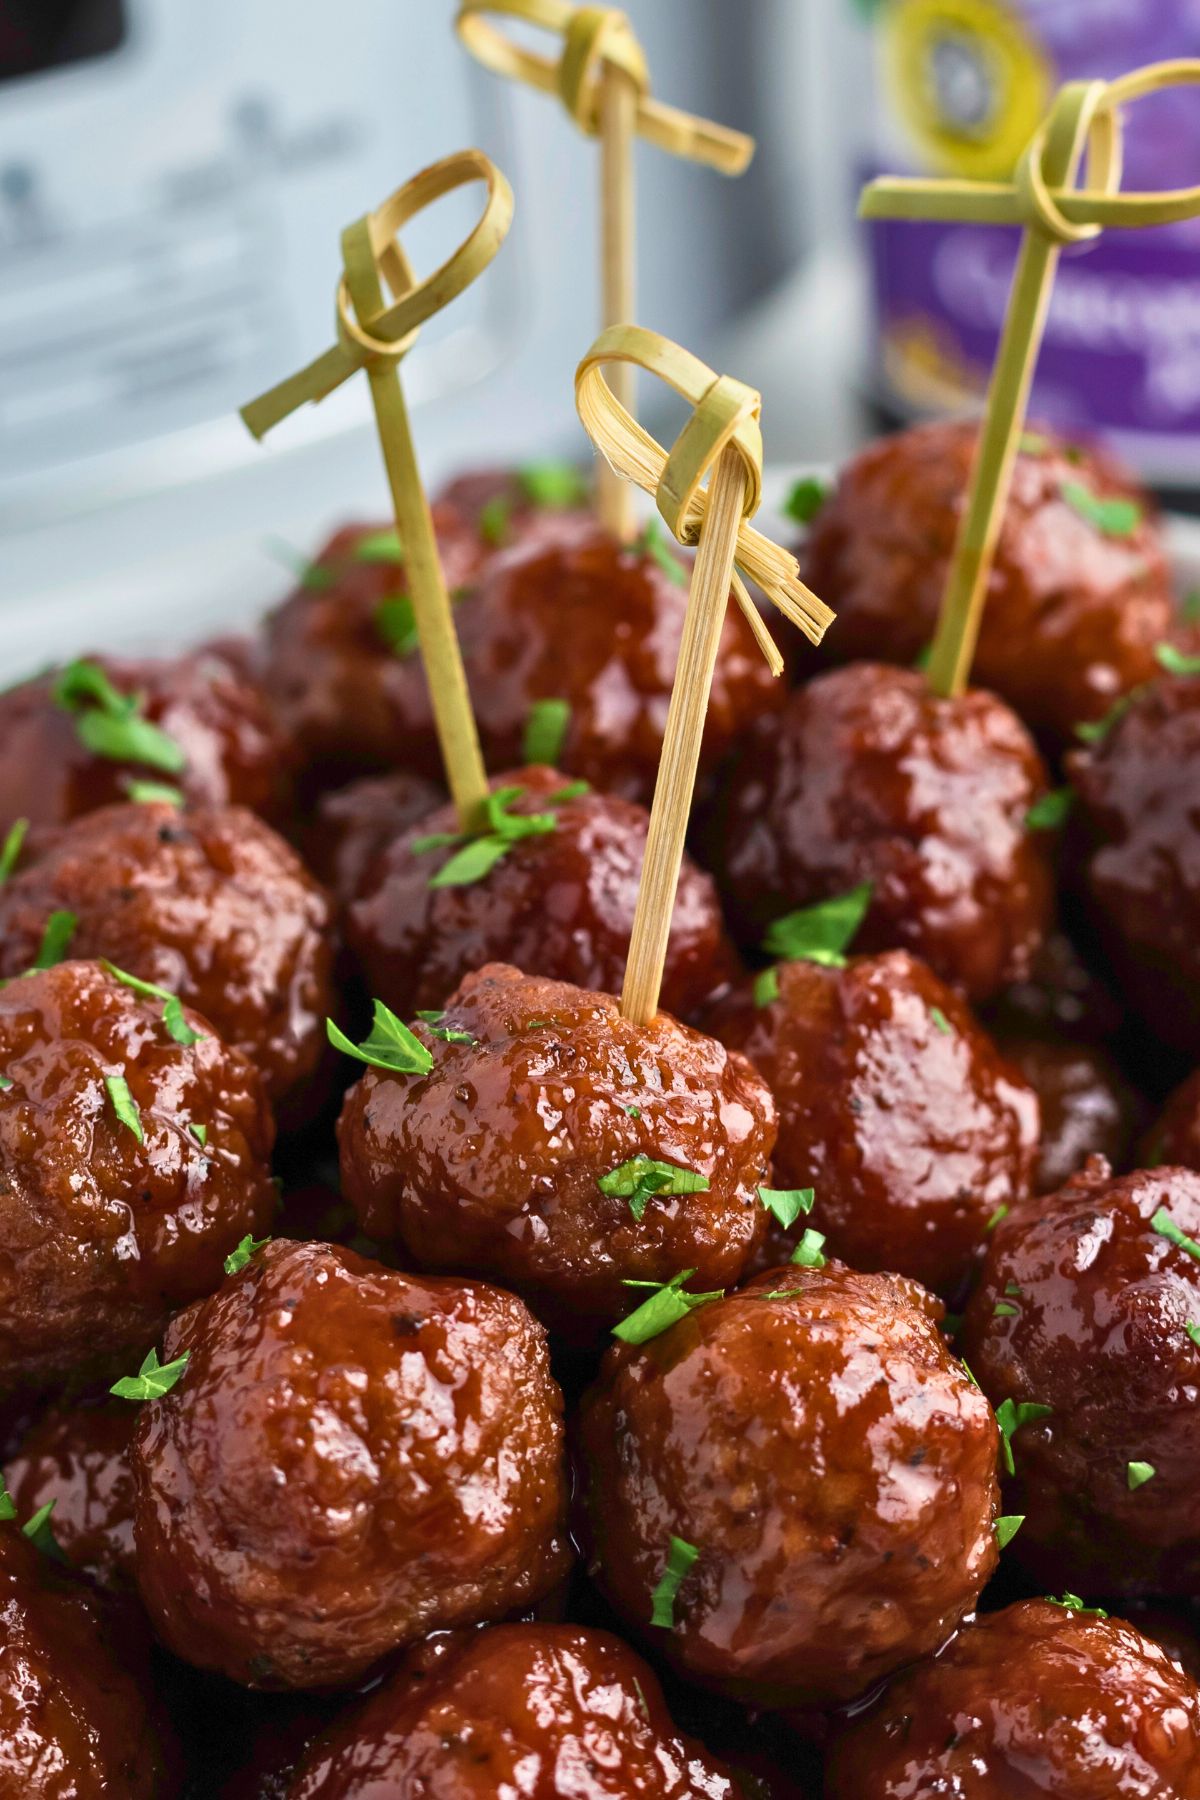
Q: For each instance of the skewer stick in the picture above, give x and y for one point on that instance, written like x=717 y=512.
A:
x=1042 y=198
x=676 y=782
x=375 y=336
x=721 y=436
x=618 y=260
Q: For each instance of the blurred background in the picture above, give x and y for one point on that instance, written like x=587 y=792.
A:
x=173 y=180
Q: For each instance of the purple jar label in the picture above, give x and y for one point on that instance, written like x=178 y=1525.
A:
x=964 y=82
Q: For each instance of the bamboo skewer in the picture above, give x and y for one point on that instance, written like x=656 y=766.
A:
x=1041 y=197
x=723 y=437
x=603 y=81
x=375 y=336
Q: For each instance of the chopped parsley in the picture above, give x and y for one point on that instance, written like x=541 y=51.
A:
x=153 y=1379
x=787 y=1203
x=40 y=1532
x=172 y=1006
x=1137 y=1474
x=153 y=793
x=396 y=623
x=110 y=723
x=941 y=1022
x=56 y=939
x=766 y=987
x=545 y=731
x=1189 y=607
x=237 y=1259
x=1094 y=731
x=1050 y=812
x=479 y=854
x=808 y=1251
x=124 y=1105
x=1001 y=1212
x=554 y=486
x=1007 y=1527
x=680 y=1557
x=1174 y=661
x=1004 y=1309
x=10 y=851
x=820 y=933
x=805 y=499
x=639 y=1179
x=8 y=1511
x=655 y=544
x=664 y=1307
x=1192 y=1330
x=1164 y=1224
x=379 y=547
x=495 y=521
x=390 y=1045
x=1072 y=1603
x=200 y=1133
x=633 y=1112
x=449 y=1034
x=1118 y=518
x=1010 y=1416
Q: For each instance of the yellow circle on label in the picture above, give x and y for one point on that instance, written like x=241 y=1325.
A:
x=968 y=81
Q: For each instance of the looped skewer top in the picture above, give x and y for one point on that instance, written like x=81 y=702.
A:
x=593 y=35
x=1085 y=113
x=725 y=416
x=371 y=250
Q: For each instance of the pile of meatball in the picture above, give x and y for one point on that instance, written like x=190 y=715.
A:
x=420 y=1382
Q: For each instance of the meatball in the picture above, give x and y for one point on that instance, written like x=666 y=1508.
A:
x=536 y=1711
x=225 y=746
x=812 y=1440
x=1138 y=791
x=1061 y=996
x=132 y=1166
x=561 y=1149
x=351 y=825
x=1175 y=1136
x=893 y=1106
x=1037 y=1699
x=588 y=621
x=1088 y=1108
x=210 y=904
x=352 y=1458
x=1084 y=1311
x=74 y=1722
x=869 y=776
x=506 y=507
x=560 y=901
x=1075 y=606
x=77 y=1456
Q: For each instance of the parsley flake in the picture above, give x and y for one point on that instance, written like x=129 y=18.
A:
x=1094 y=731
x=1164 y=1224
x=805 y=499
x=633 y=1112
x=1189 y=607
x=1118 y=518
x=449 y=1034
x=680 y=1557
x=379 y=547
x=5 y=1083
x=554 y=486
x=1072 y=1603
x=1174 y=661
x=545 y=731
x=1001 y=1212
x=56 y=939
x=787 y=1203
x=665 y=1306
x=110 y=723
x=808 y=1251
x=200 y=1133
x=390 y=1045
x=643 y=1176
x=172 y=1011
x=124 y=1105
x=1010 y=1416
x=237 y=1259
x=1050 y=812
x=396 y=623
x=1192 y=1330
x=153 y=793
x=655 y=544
x=495 y=521
x=766 y=987
x=11 y=850
x=1137 y=1474
x=153 y=1379
x=502 y=829
x=1007 y=1527
x=820 y=933
x=8 y=1510
x=40 y=1532
x=941 y=1022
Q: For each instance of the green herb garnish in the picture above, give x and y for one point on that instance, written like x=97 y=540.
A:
x=941 y=1022
x=449 y=1034
x=1174 y=661
x=1010 y=1416
x=766 y=987
x=1072 y=1603
x=56 y=939
x=153 y=793
x=1189 y=607
x=495 y=520
x=680 y=1557
x=545 y=731
x=1115 y=518
x=396 y=624
x=655 y=544
x=172 y=1012
x=480 y=854
x=391 y=1045
x=1094 y=731
x=379 y=547
x=1192 y=1330
x=200 y=1133
x=805 y=499
x=237 y=1259
x=110 y=724
x=808 y=1251
x=643 y=1176
x=153 y=1379
x=665 y=1307
x=1164 y=1224
x=820 y=933
x=554 y=486
x=633 y=1112
x=40 y=1533
x=1050 y=812
x=787 y=1203
x=1006 y=1528
x=11 y=849
x=1001 y=1212
x=124 y=1105
x=1137 y=1474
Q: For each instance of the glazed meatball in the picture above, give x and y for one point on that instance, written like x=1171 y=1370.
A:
x=1175 y=1136
x=1074 y=608
x=1087 y=1106
x=229 y=745
x=340 y=661
x=74 y=1721
x=589 y=621
x=351 y=825
x=77 y=1456
x=132 y=1166
x=519 y=1154
x=869 y=776
x=559 y=902
x=893 y=1106
x=352 y=1458
x=1084 y=1308
x=536 y=1711
x=1037 y=1699
x=1138 y=792
x=210 y=904
x=506 y=507
x=1061 y=996
x=813 y=1441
